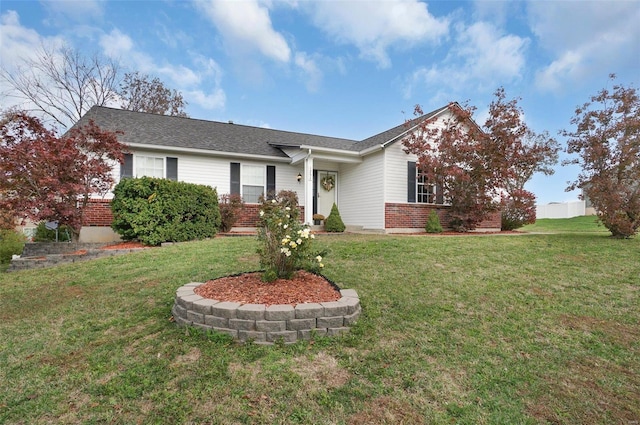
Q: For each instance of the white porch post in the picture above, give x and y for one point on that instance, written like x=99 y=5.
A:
x=308 y=189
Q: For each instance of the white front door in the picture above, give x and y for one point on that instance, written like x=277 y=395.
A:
x=326 y=190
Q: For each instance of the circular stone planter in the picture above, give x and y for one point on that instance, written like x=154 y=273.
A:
x=266 y=324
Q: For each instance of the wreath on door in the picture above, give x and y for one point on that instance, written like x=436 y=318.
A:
x=328 y=182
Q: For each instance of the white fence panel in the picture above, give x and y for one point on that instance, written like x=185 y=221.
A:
x=561 y=210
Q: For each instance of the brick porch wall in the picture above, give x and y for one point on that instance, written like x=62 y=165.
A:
x=98 y=213
x=249 y=216
x=414 y=216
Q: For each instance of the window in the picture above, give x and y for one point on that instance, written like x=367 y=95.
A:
x=149 y=166
x=426 y=193
x=253 y=178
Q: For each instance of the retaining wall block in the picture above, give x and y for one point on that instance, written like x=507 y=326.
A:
x=298 y=324
x=242 y=324
x=271 y=326
x=252 y=335
x=187 y=302
x=225 y=309
x=348 y=293
x=330 y=322
x=204 y=305
x=335 y=308
x=350 y=319
x=286 y=336
x=280 y=312
x=216 y=322
x=311 y=333
x=353 y=304
x=251 y=312
x=195 y=317
x=179 y=311
x=309 y=310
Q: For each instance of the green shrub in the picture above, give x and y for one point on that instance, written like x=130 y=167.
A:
x=285 y=243
x=433 y=223
x=11 y=243
x=334 y=223
x=154 y=210
x=230 y=208
x=46 y=235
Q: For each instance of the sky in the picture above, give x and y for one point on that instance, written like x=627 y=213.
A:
x=350 y=69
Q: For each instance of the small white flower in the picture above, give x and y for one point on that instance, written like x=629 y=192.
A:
x=292 y=244
x=312 y=236
x=261 y=213
x=287 y=209
x=321 y=265
x=273 y=201
x=285 y=226
x=299 y=241
x=319 y=259
x=288 y=216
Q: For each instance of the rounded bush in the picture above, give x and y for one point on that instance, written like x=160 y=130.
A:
x=334 y=222
x=154 y=210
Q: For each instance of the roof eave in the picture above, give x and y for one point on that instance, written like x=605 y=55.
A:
x=207 y=152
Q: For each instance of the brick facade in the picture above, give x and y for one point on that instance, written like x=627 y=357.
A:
x=98 y=213
x=414 y=216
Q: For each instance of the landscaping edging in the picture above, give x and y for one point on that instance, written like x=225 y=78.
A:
x=266 y=324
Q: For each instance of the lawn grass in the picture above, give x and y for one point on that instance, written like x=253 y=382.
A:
x=523 y=329
x=581 y=224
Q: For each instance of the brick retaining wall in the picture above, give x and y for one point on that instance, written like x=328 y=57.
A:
x=266 y=324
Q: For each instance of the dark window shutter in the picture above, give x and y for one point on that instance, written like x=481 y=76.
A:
x=235 y=178
x=439 y=194
x=271 y=181
x=411 y=181
x=172 y=168
x=126 y=168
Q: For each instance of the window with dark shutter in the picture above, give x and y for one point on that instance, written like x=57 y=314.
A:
x=172 y=168
x=234 y=186
x=126 y=168
x=411 y=181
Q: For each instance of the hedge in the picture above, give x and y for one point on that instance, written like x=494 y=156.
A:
x=153 y=210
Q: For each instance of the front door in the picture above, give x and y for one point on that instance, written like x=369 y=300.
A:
x=326 y=190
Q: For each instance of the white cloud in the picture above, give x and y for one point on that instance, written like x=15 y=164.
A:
x=214 y=100
x=482 y=56
x=374 y=27
x=75 y=10
x=246 y=26
x=587 y=39
x=312 y=73
x=17 y=45
x=116 y=44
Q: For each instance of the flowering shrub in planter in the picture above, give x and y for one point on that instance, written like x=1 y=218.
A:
x=285 y=243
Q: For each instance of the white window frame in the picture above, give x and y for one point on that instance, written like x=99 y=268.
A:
x=425 y=197
x=245 y=180
x=141 y=171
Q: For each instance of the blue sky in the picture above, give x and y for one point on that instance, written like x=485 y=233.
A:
x=350 y=68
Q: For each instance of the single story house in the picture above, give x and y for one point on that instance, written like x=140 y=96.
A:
x=373 y=182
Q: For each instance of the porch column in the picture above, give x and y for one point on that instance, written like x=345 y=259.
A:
x=308 y=189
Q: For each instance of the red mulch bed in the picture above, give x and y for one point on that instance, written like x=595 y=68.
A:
x=248 y=288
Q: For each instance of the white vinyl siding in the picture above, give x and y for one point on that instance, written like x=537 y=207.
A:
x=396 y=180
x=360 y=198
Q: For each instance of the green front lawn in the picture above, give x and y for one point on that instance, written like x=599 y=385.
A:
x=523 y=329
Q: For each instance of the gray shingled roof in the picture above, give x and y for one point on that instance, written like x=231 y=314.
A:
x=164 y=130
x=393 y=133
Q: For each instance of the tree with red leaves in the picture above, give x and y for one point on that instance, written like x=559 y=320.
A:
x=482 y=169
x=607 y=142
x=45 y=177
